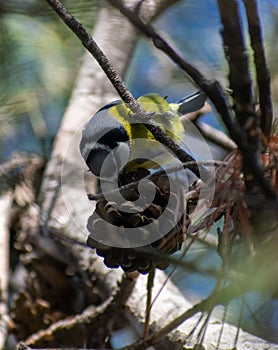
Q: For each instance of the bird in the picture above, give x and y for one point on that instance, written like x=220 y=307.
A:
x=119 y=149
x=115 y=131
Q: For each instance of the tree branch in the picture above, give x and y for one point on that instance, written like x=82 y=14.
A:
x=263 y=75
x=223 y=295
x=216 y=136
x=90 y=321
x=5 y=204
x=239 y=75
x=118 y=84
x=210 y=133
x=213 y=90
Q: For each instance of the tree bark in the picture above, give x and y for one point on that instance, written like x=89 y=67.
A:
x=5 y=205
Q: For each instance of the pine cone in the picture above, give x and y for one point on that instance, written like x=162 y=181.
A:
x=150 y=253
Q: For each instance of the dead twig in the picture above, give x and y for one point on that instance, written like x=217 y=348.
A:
x=210 y=133
x=213 y=90
x=217 y=137
x=117 y=82
x=92 y=318
x=155 y=175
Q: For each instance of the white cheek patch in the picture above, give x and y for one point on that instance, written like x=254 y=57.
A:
x=86 y=149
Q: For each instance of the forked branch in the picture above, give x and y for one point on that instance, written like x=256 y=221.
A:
x=213 y=90
x=117 y=82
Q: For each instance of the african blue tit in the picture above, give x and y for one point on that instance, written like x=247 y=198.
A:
x=114 y=130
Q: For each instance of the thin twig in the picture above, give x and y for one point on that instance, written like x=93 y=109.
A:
x=157 y=336
x=217 y=137
x=149 y=302
x=169 y=276
x=213 y=90
x=91 y=317
x=262 y=71
x=157 y=174
x=224 y=295
x=90 y=44
x=196 y=76
x=210 y=133
x=22 y=346
x=118 y=84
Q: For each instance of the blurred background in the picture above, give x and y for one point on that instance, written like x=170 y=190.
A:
x=39 y=60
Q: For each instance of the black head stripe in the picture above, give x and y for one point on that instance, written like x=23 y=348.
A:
x=112 y=137
x=109 y=105
x=101 y=124
x=100 y=149
x=102 y=128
